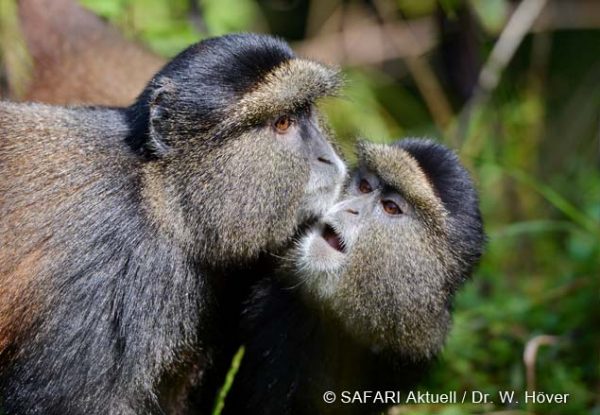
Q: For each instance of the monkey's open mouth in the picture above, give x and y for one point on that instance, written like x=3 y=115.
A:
x=333 y=238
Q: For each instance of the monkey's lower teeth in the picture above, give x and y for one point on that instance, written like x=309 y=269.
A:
x=332 y=238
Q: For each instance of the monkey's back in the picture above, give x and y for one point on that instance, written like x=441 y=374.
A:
x=81 y=265
x=55 y=163
x=60 y=171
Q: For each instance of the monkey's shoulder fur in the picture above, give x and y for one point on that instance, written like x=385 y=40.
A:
x=81 y=263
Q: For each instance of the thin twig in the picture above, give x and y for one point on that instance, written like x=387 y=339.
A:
x=530 y=355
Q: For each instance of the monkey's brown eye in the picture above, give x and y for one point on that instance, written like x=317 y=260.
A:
x=282 y=124
x=391 y=207
x=364 y=186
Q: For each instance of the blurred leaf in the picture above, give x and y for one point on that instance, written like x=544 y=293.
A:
x=411 y=8
x=533 y=226
x=492 y=14
x=225 y=16
x=358 y=113
x=558 y=201
x=15 y=62
x=110 y=10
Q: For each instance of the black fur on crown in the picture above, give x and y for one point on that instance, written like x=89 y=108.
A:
x=453 y=184
x=227 y=83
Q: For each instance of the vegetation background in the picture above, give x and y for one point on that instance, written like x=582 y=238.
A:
x=514 y=87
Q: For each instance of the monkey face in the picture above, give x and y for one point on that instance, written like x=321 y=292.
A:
x=378 y=269
x=382 y=260
x=271 y=179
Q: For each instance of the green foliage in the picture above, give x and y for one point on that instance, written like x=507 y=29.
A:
x=492 y=13
x=225 y=16
x=540 y=272
x=165 y=26
x=416 y=8
x=15 y=62
x=222 y=394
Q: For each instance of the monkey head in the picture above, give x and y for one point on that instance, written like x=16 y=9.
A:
x=386 y=260
x=235 y=153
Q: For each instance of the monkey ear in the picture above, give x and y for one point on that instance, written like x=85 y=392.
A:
x=160 y=120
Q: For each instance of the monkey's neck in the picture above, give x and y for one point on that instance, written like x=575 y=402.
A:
x=294 y=353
